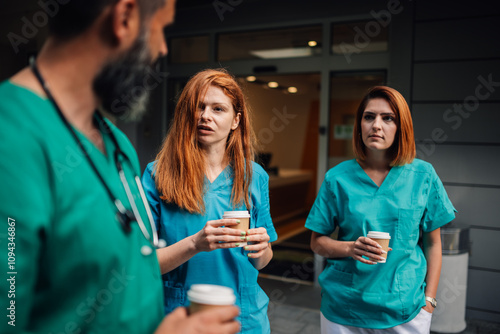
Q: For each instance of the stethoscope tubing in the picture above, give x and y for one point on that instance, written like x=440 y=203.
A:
x=125 y=217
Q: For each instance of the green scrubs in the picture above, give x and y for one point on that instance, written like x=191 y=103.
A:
x=410 y=199
x=73 y=268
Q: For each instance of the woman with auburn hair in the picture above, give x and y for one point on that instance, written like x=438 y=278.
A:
x=205 y=168
x=384 y=189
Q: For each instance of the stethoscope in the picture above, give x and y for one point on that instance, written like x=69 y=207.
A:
x=124 y=216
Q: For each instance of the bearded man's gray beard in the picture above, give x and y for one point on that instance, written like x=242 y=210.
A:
x=120 y=84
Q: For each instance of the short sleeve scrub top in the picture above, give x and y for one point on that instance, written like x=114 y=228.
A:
x=227 y=267
x=76 y=269
x=411 y=198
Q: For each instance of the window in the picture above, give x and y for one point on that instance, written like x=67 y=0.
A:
x=359 y=37
x=186 y=50
x=270 y=44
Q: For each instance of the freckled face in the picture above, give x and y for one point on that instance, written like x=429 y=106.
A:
x=378 y=125
x=216 y=118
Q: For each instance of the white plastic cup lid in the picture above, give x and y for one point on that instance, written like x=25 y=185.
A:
x=378 y=235
x=210 y=294
x=236 y=214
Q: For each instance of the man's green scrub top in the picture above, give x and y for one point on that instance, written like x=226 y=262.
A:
x=386 y=294
x=73 y=268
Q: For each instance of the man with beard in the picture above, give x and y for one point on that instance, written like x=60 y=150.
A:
x=76 y=244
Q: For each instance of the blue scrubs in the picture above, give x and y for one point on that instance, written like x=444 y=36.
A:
x=227 y=267
x=411 y=198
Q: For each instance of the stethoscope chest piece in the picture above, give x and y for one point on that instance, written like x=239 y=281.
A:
x=146 y=250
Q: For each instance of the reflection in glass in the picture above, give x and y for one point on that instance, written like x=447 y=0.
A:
x=286 y=126
x=270 y=44
x=185 y=50
x=359 y=37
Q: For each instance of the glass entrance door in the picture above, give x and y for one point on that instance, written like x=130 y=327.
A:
x=285 y=112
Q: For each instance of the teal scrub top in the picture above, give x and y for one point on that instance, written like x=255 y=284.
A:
x=227 y=267
x=74 y=269
x=411 y=198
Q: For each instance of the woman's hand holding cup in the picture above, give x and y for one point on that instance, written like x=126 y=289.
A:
x=365 y=246
x=215 y=236
x=258 y=242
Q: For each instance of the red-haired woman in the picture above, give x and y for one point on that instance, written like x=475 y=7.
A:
x=385 y=189
x=205 y=168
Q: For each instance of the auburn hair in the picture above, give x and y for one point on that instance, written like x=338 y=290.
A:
x=403 y=149
x=180 y=165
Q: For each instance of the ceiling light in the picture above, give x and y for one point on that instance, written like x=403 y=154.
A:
x=273 y=84
x=312 y=43
x=282 y=53
x=251 y=78
x=292 y=90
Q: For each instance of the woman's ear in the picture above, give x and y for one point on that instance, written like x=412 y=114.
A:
x=236 y=121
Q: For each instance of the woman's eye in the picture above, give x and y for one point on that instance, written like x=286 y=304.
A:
x=368 y=117
x=218 y=109
x=389 y=118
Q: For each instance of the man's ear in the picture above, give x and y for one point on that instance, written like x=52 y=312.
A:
x=125 y=22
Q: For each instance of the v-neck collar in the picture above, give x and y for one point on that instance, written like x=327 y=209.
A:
x=219 y=177
x=388 y=182
x=108 y=145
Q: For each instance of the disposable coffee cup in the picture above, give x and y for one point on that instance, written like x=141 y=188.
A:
x=382 y=238
x=207 y=296
x=243 y=216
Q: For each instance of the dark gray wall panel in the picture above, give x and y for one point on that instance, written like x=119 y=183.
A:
x=493 y=317
x=476 y=206
x=463 y=163
x=203 y=14
x=456 y=81
x=485 y=249
x=483 y=290
x=458 y=39
x=480 y=126
x=443 y=9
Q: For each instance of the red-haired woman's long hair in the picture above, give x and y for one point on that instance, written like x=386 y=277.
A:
x=403 y=149
x=180 y=167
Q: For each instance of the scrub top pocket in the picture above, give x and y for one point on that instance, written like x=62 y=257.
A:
x=373 y=305
x=253 y=303
x=174 y=297
x=336 y=290
x=408 y=224
x=406 y=281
